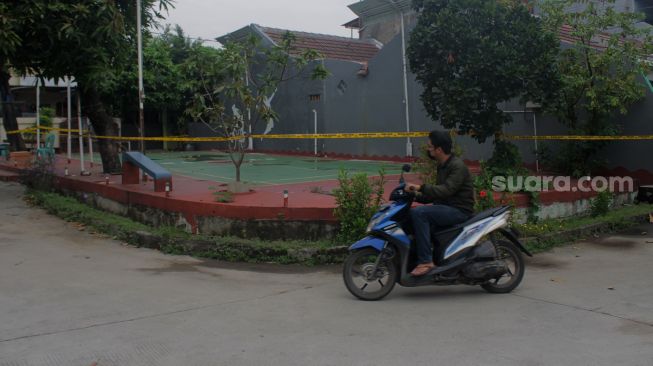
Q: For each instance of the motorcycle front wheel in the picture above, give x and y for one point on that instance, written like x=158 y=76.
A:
x=363 y=281
x=512 y=257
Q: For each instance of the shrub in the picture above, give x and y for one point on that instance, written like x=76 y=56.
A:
x=40 y=175
x=506 y=159
x=46 y=116
x=425 y=167
x=357 y=199
x=484 y=195
x=600 y=205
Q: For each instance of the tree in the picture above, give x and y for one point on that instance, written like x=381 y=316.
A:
x=600 y=74
x=19 y=28
x=166 y=85
x=91 y=40
x=471 y=55
x=234 y=90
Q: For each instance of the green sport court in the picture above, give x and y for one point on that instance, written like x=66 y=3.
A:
x=266 y=169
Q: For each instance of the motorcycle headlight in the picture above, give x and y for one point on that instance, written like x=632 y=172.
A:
x=375 y=222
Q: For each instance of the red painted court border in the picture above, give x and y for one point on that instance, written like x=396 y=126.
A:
x=193 y=197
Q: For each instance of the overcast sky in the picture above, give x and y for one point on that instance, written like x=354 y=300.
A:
x=209 y=19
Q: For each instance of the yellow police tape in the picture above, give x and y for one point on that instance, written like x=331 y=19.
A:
x=360 y=135
x=578 y=137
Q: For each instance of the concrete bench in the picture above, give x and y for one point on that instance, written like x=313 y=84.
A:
x=133 y=162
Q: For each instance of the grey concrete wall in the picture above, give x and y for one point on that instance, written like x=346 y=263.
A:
x=199 y=129
x=294 y=108
x=353 y=103
x=633 y=155
x=375 y=103
x=385 y=27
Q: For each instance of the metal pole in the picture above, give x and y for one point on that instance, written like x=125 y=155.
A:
x=537 y=161
x=70 y=113
x=141 y=92
x=38 y=113
x=409 y=144
x=250 y=143
x=90 y=141
x=81 y=132
x=315 y=130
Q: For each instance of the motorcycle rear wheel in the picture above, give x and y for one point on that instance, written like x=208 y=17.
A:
x=360 y=280
x=508 y=252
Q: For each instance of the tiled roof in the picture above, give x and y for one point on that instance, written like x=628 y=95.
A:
x=331 y=47
x=566 y=36
x=354 y=23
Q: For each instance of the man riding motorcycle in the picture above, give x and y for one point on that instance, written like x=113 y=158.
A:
x=452 y=199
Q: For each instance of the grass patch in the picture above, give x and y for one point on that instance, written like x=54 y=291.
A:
x=549 y=233
x=172 y=240
x=72 y=210
x=623 y=214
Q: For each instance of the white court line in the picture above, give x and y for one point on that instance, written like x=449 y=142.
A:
x=228 y=179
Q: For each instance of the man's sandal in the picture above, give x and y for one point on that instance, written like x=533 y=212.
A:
x=422 y=269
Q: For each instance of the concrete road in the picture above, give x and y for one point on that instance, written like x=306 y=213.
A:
x=69 y=297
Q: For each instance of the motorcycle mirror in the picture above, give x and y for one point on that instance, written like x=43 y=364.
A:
x=406 y=168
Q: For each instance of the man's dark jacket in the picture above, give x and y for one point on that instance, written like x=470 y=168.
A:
x=454 y=187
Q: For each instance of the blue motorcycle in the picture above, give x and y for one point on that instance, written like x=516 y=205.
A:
x=483 y=251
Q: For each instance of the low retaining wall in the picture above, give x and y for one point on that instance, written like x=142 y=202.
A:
x=269 y=223
x=284 y=229
x=581 y=206
x=212 y=225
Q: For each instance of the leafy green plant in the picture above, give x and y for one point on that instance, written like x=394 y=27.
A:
x=357 y=199
x=426 y=167
x=483 y=190
x=40 y=175
x=506 y=159
x=472 y=55
x=46 y=116
x=486 y=197
x=534 y=205
x=600 y=74
x=222 y=196
x=172 y=240
x=600 y=205
x=93 y=40
x=235 y=90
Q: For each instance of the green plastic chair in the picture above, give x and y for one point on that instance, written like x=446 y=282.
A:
x=47 y=151
x=4 y=150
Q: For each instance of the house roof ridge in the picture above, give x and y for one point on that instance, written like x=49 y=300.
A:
x=369 y=41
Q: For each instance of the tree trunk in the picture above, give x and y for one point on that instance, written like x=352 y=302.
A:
x=9 y=120
x=164 y=124
x=104 y=126
x=237 y=155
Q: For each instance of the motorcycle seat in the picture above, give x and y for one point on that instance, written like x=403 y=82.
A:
x=495 y=211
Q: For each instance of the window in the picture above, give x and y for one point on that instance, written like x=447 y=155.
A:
x=342 y=87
